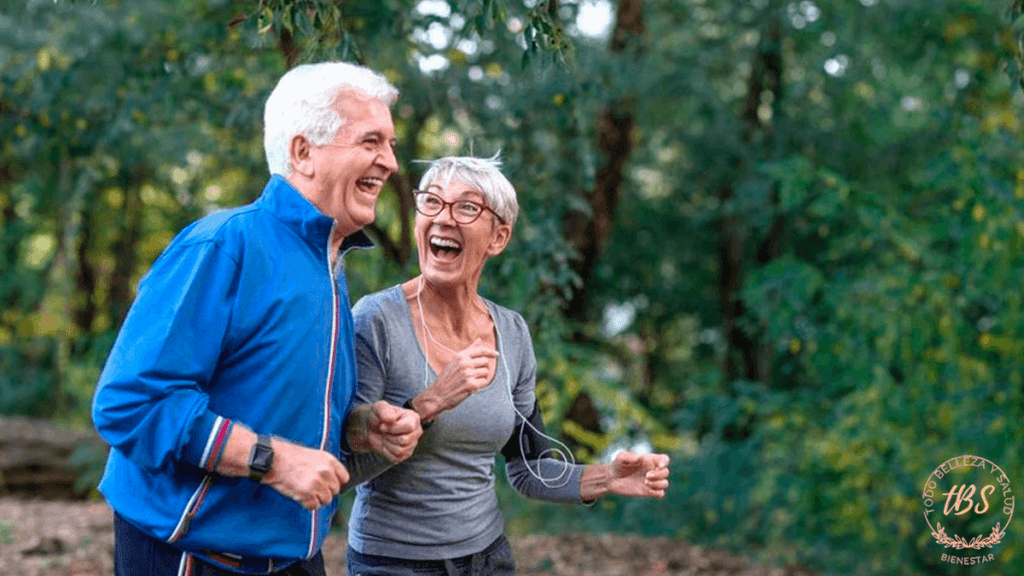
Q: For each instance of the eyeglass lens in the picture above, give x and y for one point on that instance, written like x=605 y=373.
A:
x=463 y=211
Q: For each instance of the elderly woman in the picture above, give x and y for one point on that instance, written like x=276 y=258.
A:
x=466 y=365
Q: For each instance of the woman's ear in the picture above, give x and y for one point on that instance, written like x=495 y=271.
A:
x=300 y=155
x=500 y=236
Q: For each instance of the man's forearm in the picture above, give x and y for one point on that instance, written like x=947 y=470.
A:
x=309 y=476
x=235 y=459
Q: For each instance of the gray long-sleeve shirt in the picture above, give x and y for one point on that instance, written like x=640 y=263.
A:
x=440 y=503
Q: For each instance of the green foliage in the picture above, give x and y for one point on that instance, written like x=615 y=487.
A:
x=88 y=462
x=890 y=315
x=866 y=198
x=1015 y=37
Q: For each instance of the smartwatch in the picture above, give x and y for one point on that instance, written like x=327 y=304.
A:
x=261 y=458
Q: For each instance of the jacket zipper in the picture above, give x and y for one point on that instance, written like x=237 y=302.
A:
x=191 y=509
x=335 y=321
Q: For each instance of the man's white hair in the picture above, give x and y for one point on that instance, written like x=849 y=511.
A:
x=483 y=175
x=302 y=103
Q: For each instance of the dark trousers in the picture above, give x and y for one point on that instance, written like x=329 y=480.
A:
x=495 y=560
x=139 y=554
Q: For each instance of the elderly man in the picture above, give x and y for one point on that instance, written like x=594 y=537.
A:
x=225 y=395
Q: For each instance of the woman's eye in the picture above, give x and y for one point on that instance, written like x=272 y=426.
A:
x=468 y=208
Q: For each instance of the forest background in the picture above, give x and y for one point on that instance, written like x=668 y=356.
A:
x=782 y=241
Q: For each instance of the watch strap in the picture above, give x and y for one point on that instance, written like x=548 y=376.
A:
x=423 y=423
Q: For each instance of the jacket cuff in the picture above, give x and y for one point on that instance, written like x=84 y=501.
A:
x=207 y=437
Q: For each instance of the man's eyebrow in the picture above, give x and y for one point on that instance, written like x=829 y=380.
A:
x=378 y=135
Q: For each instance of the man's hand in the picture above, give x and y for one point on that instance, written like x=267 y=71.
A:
x=469 y=371
x=310 y=477
x=387 y=430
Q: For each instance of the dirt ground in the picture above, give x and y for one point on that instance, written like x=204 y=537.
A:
x=54 y=538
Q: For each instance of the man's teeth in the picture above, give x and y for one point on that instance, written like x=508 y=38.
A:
x=371 y=182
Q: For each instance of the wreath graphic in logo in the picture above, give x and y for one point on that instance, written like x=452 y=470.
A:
x=976 y=543
x=990 y=499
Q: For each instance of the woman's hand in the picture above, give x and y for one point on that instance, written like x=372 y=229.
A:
x=387 y=430
x=468 y=372
x=633 y=475
x=639 y=475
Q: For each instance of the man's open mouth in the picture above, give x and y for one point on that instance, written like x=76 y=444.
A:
x=369 y=184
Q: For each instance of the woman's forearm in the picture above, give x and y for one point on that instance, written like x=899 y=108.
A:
x=595 y=481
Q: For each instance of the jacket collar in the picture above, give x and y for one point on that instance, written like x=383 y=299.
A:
x=290 y=207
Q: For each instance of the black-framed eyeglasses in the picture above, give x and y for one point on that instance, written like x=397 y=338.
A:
x=462 y=211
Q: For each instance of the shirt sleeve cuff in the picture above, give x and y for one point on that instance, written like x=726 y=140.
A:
x=207 y=437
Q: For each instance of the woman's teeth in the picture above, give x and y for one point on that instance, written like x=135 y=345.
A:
x=445 y=245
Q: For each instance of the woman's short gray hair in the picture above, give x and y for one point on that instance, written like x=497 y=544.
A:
x=303 y=103
x=483 y=175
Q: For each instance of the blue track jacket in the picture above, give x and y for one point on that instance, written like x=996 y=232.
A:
x=240 y=319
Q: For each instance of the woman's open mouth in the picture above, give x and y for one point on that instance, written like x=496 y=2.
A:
x=444 y=248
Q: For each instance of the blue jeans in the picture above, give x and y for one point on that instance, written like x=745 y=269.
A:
x=495 y=560
x=139 y=554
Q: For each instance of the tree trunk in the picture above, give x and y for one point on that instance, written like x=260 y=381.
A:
x=286 y=44
x=84 y=311
x=8 y=242
x=739 y=361
x=589 y=232
x=745 y=356
x=126 y=249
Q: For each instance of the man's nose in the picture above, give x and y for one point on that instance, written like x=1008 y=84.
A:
x=388 y=160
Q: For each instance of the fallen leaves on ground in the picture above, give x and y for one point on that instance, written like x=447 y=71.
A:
x=60 y=538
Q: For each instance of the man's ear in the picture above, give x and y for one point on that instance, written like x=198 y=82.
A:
x=299 y=155
x=499 y=239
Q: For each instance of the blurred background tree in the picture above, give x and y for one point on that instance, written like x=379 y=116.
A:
x=781 y=241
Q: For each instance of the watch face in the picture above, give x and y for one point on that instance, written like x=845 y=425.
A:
x=261 y=459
